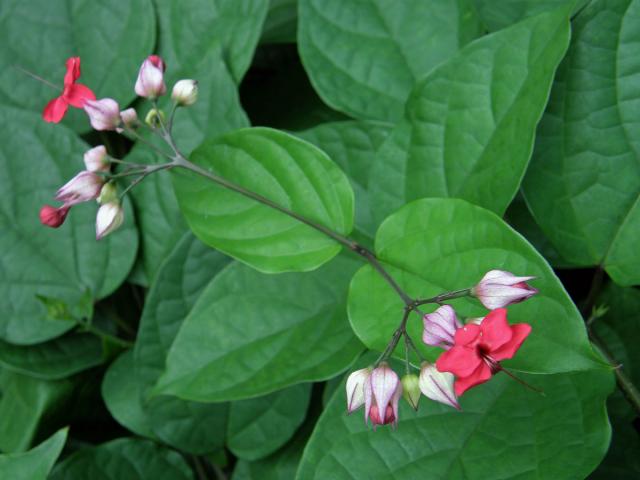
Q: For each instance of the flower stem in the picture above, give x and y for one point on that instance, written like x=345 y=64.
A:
x=465 y=292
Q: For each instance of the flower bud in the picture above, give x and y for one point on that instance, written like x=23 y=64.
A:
x=411 y=390
x=103 y=114
x=110 y=216
x=96 y=159
x=109 y=193
x=154 y=118
x=440 y=327
x=355 y=388
x=185 y=92
x=150 y=82
x=83 y=187
x=438 y=386
x=53 y=217
x=129 y=118
x=498 y=288
x=381 y=395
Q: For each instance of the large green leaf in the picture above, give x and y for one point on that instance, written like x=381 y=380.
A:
x=437 y=245
x=24 y=404
x=352 y=145
x=259 y=426
x=36 y=463
x=191 y=31
x=250 y=334
x=503 y=431
x=132 y=459
x=112 y=39
x=497 y=14
x=55 y=359
x=583 y=184
x=281 y=23
x=288 y=171
x=35 y=160
x=365 y=56
x=470 y=123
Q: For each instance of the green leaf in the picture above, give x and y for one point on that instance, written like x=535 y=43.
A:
x=365 y=56
x=503 y=431
x=35 y=160
x=470 y=123
x=192 y=31
x=502 y=13
x=286 y=170
x=26 y=402
x=55 y=359
x=352 y=145
x=250 y=334
x=583 y=184
x=36 y=463
x=194 y=427
x=437 y=245
x=112 y=39
x=281 y=23
x=121 y=393
x=132 y=459
x=259 y=426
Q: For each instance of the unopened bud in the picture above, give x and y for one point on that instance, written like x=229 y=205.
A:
x=130 y=118
x=110 y=216
x=103 y=114
x=53 y=217
x=150 y=82
x=355 y=388
x=96 y=159
x=155 y=118
x=411 y=389
x=83 y=187
x=437 y=385
x=185 y=92
x=109 y=193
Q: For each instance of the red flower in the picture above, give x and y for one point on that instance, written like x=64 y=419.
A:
x=74 y=94
x=478 y=349
x=53 y=217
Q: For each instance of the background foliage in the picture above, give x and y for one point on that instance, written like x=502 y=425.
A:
x=209 y=336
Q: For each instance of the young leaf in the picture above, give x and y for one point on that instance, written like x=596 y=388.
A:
x=583 y=185
x=365 y=56
x=36 y=160
x=36 y=463
x=287 y=171
x=437 y=245
x=470 y=123
x=250 y=334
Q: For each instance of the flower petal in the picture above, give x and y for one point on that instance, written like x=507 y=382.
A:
x=478 y=376
x=520 y=331
x=73 y=70
x=467 y=334
x=461 y=361
x=54 y=110
x=496 y=331
x=77 y=94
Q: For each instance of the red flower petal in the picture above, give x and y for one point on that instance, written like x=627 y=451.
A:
x=77 y=94
x=467 y=334
x=55 y=110
x=73 y=71
x=461 y=361
x=520 y=332
x=496 y=331
x=478 y=376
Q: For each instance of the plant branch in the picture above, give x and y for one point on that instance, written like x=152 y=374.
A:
x=444 y=297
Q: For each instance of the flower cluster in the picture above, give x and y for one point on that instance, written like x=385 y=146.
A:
x=96 y=182
x=473 y=352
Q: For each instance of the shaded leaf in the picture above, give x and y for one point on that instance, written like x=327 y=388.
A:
x=36 y=463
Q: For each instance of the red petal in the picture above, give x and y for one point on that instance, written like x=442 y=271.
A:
x=478 y=376
x=461 y=361
x=467 y=334
x=496 y=331
x=520 y=332
x=55 y=110
x=77 y=94
x=73 y=71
